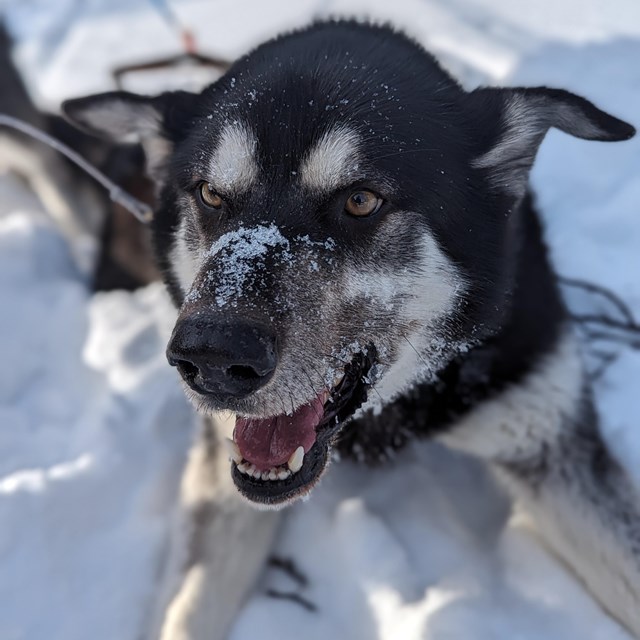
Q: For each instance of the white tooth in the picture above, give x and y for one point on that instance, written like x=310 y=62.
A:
x=283 y=475
x=265 y=475
x=251 y=470
x=273 y=474
x=233 y=450
x=296 y=460
x=243 y=467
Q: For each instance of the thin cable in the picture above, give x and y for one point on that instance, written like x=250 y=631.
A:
x=140 y=210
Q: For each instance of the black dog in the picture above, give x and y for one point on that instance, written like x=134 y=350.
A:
x=350 y=240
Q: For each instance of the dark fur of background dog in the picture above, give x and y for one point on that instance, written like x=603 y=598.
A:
x=79 y=206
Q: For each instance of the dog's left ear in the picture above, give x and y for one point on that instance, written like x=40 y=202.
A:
x=524 y=116
x=154 y=122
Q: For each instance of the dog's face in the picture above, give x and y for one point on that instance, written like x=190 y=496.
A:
x=337 y=220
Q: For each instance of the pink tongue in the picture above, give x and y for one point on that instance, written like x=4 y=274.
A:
x=270 y=442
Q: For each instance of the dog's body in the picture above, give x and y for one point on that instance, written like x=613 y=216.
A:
x=357 y=263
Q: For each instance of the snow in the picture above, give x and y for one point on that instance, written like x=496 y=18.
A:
x=420 y=567
x=95 y=428
x=238 y=253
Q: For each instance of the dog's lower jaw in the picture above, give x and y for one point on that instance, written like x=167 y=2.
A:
x=275 y=495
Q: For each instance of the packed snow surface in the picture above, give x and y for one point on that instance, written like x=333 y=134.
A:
x=94 y=427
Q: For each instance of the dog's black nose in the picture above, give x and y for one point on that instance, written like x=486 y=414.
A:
x=227 y=361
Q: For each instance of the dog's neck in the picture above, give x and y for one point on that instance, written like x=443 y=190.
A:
x=530 y=330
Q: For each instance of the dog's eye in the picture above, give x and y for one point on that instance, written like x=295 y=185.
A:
x=363 y=203
x=209 y=197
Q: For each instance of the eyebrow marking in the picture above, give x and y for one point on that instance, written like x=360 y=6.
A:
x=333 y=160
x=233 y=167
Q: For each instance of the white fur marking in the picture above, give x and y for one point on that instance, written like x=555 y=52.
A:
x=429 y=292
x=233 y=166
x=183 y=263
x=521 y=420
x=332 y=161
x=124 y=121
x=527 y=120
x=522 y=127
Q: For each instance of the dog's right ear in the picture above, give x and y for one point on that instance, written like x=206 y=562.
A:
x=154 y=122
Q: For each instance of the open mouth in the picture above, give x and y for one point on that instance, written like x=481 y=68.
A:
x=275 y=460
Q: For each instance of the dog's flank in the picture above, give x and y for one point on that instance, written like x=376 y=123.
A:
x=358 y=263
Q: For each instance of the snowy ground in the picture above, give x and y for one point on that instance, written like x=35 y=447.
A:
x=94 y=428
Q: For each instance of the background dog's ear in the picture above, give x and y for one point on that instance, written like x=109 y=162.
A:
x=524 y=116
x=154 y=122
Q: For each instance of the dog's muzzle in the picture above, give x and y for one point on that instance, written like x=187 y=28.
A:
x=226 y=361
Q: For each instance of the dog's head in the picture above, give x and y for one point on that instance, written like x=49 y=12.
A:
x=337 y=220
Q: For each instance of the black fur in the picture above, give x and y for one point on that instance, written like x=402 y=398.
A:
x=453 y=261
x=426 y=148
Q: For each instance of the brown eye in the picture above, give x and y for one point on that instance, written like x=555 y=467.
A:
x=209 y=197
x=363 y=203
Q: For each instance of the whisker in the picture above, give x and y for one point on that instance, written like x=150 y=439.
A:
x=416 y=351
x=403 y=152
x=311 y=387
x=282 y=402
x=372 y=387
x=289 y=392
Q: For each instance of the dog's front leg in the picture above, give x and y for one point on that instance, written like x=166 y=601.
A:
x=218 y=548
x=542 y=438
